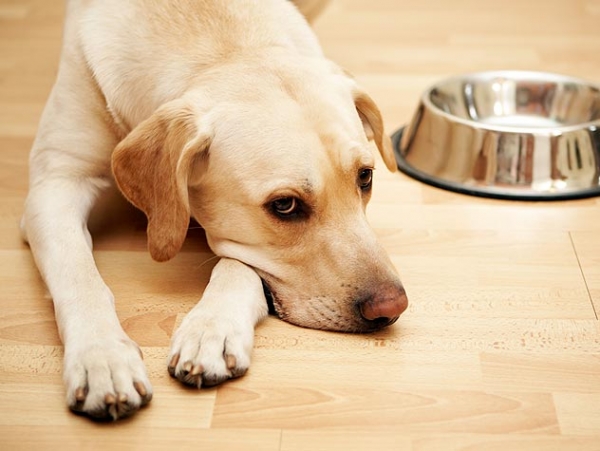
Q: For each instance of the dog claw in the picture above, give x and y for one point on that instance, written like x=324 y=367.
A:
x=109 y=399
x=80 y=394
x=115 y=407
x=195 y=376
x=141 y=389
x=172 y=364
x=196 y=370
x=194 y=380
x=230 y=361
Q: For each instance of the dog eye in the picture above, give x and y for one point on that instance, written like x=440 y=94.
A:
x=365 y=179
x=285 y=207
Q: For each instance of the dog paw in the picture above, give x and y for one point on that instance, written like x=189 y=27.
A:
x=209 y=349
x=106 y=380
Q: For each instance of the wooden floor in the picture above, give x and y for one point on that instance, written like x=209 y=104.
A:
x=499 y=350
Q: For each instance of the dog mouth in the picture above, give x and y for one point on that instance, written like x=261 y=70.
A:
x=269 y=297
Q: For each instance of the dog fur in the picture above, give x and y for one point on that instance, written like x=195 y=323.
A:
x=227 y=112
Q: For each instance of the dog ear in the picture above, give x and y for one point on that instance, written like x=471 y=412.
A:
x=151 y=167
x=373 y=124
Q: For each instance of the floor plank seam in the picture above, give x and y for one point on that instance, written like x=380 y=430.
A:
x=587 y=287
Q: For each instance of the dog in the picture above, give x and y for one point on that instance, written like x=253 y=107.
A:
x=226 y=112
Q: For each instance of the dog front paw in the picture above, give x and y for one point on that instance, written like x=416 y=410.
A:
x=209 y=349
x=106 y=379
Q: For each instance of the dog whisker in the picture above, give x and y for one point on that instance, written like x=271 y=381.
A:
x=331 y=319
x=322 y=313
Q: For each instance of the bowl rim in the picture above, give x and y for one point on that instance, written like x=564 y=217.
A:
x=490 y=192
x=512 y=74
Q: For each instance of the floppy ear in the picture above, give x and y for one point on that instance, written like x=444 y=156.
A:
x=151 y=167
x=373 y=125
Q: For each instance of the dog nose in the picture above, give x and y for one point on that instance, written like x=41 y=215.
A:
x=385 y=306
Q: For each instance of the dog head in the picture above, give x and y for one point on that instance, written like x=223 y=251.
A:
x=279 y=177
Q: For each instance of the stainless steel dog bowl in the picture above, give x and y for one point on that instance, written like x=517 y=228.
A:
x=507 y=134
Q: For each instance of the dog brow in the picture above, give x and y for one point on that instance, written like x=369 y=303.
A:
x=308 y=187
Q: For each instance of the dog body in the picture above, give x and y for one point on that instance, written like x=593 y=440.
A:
x=225 y=111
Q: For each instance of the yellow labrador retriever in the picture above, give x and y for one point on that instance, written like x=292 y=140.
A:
x=225 y=111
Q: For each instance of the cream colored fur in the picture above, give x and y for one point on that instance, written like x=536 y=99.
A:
x=218 y=110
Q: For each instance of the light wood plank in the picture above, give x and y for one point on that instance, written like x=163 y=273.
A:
x=578 y=413
x=121 y=436
x=520 y=442
x=433 y=412
x=574 y=372
x=357 y=440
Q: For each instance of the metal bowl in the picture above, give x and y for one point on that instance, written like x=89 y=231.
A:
x=507 y=134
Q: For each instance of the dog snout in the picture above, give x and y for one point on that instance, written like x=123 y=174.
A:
x=384 y=306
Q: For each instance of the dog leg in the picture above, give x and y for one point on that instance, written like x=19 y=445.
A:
x=103 y=369
x=69 y=165
x=215 y=339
